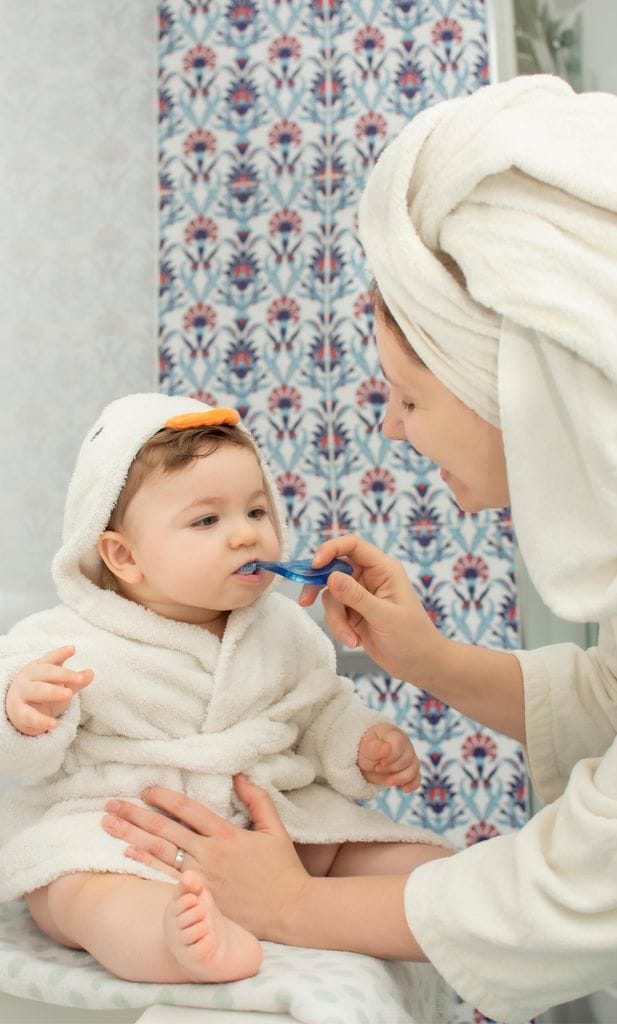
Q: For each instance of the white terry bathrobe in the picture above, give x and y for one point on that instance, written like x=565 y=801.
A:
x=170 y=703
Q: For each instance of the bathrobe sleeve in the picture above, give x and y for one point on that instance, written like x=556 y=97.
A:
x=529 y=920
x=332 y=724
x=332 y=738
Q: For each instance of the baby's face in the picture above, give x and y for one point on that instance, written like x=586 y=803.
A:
x=191 y=530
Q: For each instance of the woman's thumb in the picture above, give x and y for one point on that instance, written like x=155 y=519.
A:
x=349 y=592
x=259 y=805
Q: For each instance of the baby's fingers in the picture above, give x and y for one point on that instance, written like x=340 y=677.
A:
x=58 y=656
x=408 y=779
x=40 y=692
x=378 y=751
x=32 y=722
x=65 y=677
x=395 y=761
x=77 y=680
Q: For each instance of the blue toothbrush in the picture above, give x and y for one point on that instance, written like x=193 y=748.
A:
x=300 y=569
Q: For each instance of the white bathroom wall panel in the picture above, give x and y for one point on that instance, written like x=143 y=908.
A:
x=78 y=274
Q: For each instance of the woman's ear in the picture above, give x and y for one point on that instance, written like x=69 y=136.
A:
x=118 y=556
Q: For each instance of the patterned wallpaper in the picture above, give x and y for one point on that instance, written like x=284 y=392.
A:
x=271 y=115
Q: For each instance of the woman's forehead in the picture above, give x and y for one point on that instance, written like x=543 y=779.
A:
x=399 y=366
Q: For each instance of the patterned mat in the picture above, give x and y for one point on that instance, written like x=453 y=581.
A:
x=313 y=986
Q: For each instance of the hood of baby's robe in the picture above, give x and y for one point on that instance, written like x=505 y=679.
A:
x=101 y=469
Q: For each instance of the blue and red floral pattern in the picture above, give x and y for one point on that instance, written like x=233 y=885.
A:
x=271 y=115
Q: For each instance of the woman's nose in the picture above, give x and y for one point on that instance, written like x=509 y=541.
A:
x=392 y=424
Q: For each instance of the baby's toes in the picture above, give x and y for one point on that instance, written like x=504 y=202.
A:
x=185 y=901
x=189 y=936
x=190 y=917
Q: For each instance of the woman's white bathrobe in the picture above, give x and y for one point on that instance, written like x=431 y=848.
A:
x=518 y=185
x=170 y=703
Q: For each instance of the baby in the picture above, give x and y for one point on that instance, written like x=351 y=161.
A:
x=165 y=664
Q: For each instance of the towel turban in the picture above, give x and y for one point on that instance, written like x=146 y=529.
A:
x=517 y=184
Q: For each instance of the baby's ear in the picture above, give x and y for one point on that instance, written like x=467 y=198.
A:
x=117 y=553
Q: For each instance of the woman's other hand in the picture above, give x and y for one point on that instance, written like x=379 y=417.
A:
x=255 y=876
x=378 y=609
x=257 y=879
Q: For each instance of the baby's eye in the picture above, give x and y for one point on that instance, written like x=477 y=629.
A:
x=258 y=513
x=407 y=406
x=206 y=521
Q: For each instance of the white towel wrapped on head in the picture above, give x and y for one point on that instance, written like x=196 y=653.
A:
x=518 y=185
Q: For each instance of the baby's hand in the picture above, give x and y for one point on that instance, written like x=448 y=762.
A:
x=42 y=690
x=386 y=756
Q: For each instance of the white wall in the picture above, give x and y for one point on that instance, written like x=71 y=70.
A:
x=78 y=254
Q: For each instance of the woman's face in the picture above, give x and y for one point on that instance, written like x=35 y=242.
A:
x=467 y=449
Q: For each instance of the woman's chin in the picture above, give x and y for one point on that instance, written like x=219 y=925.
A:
x=466 y=501
x=472 y=505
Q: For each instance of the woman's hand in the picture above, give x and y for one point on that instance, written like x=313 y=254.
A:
x=378 y=609
x=256 y=877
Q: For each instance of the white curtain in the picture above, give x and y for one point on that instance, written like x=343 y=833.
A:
x=78 y=254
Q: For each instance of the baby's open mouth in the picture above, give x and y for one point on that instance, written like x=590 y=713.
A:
x=248 y=569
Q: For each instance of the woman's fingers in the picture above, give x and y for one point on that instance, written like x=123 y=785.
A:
x=259 y=804
x=155 y=834
x=338 y=621
x=359 y=552
x=147 y=849
x=143 y=856
x=195 y=815
x=309 y=594
x=116 y=824
x=346 y=589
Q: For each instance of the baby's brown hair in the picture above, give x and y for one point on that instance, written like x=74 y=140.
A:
x=169 y=450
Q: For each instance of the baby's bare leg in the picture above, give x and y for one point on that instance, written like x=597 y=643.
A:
x=145 y=930
x=317 y=858
x=383 y=858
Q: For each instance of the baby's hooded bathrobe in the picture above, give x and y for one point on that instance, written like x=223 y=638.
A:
x=170 y=703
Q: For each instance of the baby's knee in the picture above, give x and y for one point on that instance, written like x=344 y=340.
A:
x=48 y=907
x=70 y=896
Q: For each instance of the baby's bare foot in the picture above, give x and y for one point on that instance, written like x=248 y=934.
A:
x=206 y=944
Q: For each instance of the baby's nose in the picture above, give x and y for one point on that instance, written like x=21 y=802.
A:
x=242 y=533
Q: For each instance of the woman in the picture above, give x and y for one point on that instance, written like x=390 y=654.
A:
x=490 y=225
